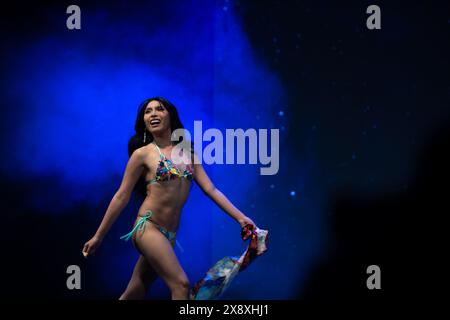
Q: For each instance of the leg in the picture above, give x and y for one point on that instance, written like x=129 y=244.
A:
x=158 y=251
x=143 y=276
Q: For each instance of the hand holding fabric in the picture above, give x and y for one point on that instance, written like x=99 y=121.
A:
x=219 y=277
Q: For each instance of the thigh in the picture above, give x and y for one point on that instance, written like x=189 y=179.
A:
x=143 y=272
x=158 y=251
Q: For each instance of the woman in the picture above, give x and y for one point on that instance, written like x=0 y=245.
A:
x=167 y=189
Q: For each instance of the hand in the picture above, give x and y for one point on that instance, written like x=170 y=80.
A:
x=246 y=220
x=91 y=246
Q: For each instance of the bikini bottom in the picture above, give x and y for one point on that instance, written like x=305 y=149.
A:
x=140 y=225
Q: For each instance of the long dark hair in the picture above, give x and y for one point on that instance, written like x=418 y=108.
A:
x=137 y=140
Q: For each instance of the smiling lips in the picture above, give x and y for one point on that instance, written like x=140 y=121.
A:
x=155 y=122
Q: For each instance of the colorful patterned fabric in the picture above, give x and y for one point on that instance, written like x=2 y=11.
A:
x=219 y=277
x=167 y=170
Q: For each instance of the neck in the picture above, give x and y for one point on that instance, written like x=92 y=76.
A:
x=163 y=140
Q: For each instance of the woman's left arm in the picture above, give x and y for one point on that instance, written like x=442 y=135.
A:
x=218 y=197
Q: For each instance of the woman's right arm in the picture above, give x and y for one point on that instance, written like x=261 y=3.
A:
x=133 y=171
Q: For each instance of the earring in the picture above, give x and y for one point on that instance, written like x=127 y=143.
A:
x=145 y=135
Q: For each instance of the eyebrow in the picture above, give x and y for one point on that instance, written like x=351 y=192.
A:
x=160 y=105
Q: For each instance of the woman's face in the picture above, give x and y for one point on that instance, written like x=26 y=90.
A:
x=156 y=117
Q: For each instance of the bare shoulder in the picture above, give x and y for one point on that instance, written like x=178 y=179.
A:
x=148 y=150
x=139 y=153
x=148 y=154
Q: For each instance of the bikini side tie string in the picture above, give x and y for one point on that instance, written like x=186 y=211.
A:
x=139 y=226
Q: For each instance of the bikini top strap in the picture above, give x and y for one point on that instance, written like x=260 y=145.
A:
x=161 y=155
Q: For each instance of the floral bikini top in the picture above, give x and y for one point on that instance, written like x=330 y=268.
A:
x=167 y=170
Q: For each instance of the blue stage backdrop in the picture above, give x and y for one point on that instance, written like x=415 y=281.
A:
x=363 y=117
x=72 y=101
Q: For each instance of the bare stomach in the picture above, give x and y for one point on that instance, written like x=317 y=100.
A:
x=166 y=200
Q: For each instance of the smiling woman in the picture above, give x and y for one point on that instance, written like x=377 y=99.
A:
x=166 y=192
